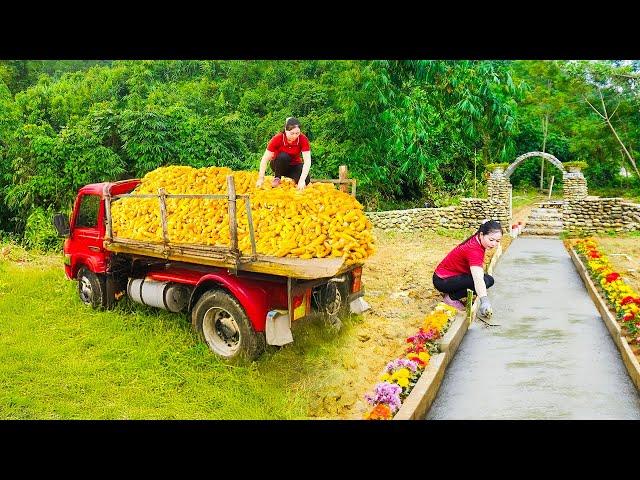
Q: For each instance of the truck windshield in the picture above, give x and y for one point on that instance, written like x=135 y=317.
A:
x=88 y=211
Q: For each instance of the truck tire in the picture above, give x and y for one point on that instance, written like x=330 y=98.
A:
x=91 y=288
x=223 y=324
x=334 y=299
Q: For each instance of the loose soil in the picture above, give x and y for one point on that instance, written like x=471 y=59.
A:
x=399 y=289
x=624 y=256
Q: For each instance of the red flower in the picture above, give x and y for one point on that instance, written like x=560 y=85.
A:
x=612 y=277
x=628 y=317
x=416 y=348
x=627 y=299
x=421 y=363
x=593 y=254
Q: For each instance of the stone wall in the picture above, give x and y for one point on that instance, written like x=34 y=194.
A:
x=598 y=215
x=415 y=218
x=469 y=214
x=579 y=211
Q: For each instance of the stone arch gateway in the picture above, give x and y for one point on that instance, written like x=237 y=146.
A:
x=547 y=156
x=499 y=184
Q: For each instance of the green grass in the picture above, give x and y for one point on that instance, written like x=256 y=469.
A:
x=528 y=196
x=62 y=360
x=631 y=193
x=458 y=234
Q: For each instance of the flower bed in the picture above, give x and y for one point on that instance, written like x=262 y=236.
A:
x=621 y=298
x=400 y=375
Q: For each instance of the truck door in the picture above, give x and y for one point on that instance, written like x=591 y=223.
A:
x=87 y=234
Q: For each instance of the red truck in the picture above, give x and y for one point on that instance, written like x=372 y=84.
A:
x=238 y=303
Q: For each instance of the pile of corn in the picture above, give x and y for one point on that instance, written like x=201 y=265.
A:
x=317 y=222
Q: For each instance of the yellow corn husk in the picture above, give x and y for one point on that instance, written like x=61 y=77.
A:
x=317 y=222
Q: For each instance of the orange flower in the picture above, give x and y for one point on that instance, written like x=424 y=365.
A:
x=380 y=412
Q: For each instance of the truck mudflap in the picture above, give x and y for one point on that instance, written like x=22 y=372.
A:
x=278 y=328
x=359 y=305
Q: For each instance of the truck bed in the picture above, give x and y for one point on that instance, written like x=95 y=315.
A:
x=217 y=256
x=307 y=269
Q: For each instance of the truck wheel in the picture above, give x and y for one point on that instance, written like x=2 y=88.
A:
x=91 y=288
x=223 y=324
x=334 y=299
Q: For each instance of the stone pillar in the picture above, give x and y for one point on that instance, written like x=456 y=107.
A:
x=499 y=196
x=574 y=184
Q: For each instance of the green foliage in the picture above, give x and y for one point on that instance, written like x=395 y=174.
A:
x=411 y=132
x=40 y=234
x=492 y=166
x=527 y=174
x=577 y=164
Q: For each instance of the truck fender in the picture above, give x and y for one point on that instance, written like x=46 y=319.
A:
x=88 y=262
x=253 y=299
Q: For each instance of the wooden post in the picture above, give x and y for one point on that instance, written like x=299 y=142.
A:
x=250 y=222
x=342 y=176
x=163 y=215
x=107 y=212
x=469 y=306
x=551 y=187
x=233 y=221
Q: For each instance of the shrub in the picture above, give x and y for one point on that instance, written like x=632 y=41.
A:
x=40 y=233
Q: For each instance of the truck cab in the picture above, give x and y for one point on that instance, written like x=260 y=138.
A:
x=84 y=246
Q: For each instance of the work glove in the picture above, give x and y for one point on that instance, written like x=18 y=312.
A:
x=485 y=307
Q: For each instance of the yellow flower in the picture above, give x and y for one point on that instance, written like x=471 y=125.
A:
x=403 y=382
x=402 y=373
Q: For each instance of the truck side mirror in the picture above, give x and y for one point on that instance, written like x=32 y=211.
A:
x=61 y=222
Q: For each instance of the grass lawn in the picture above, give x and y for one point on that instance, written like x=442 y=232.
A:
x=62 y=360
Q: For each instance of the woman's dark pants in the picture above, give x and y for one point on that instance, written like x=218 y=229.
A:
x=281 y=166
x=457 y=286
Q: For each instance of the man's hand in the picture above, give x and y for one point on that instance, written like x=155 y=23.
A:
x=259 y=182
x=485 y=309
x=301 y=185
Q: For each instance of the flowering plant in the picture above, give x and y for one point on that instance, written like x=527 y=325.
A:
x=401 y=371
x=400 y=375
x=381 y=411
x=620 y=296
x=386 y=393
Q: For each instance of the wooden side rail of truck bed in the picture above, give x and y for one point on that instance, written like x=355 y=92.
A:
x=219 y=257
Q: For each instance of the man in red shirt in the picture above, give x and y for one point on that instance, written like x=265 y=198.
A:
x=462 y=268
x=283 y=152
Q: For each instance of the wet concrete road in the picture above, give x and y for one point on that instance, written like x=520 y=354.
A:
x=551 y=358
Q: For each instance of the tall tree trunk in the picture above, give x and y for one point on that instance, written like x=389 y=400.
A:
x=545 y=127
x=607 y=118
